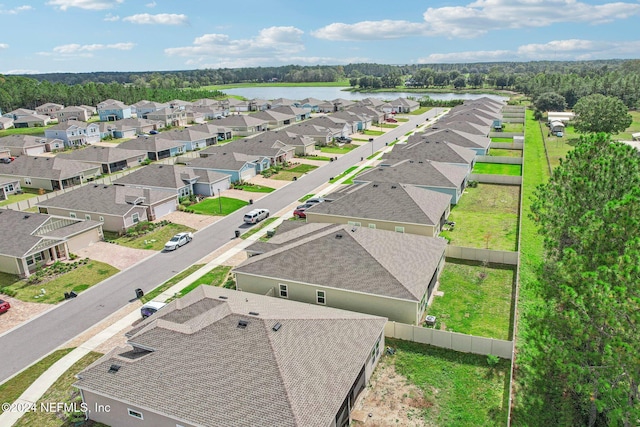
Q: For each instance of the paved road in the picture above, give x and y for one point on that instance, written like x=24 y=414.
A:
x=26 y=344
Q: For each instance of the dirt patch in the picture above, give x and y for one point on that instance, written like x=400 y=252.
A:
x=195 y=221
x=273 y=183
x=391 y=400
x=121 y=257
x=20 y=312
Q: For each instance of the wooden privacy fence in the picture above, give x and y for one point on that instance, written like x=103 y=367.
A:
x=450 y=340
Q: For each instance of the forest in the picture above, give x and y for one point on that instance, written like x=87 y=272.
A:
x=571 y=80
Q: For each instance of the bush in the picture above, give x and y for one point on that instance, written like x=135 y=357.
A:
x=8 y=292
x=492 y=360
x=472 y=184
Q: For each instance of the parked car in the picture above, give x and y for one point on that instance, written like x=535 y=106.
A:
x=314 y=201
x=299 y=212
x=392 y=120
x=153 y=132
x=256 y=215
x=7 y=159
x=178 y=240
x=4 y=306
x=150 y=308
x=343 y=139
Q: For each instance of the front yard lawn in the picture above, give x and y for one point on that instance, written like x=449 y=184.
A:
x=211 y=206
x=459 y=389
x=297 y=172
x=350 y=180
x=338 y=150
x=77 y=280
x=343 y=174
x=486 y=217
x=477 y=300
x=373 y=132
x=217 y=276
x=418 y=112
x=497 y=169
x=259 y=227
x=149 y=296
x=154 y=240
x=254 y=188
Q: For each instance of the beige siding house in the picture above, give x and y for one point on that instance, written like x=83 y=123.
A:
x=352 y=268
x=258 y=361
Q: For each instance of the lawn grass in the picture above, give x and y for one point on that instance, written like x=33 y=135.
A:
x=501 y=139
x=27 y=193
x=372 y=132
x=154 y=240
x=149 y=296
x=477 y=300
x=297 y=172
x=557 y=148
x=259 y=227
x=339 y=150
x=387 y=125
x=460 y=389
x=486 y=217
x=254 y=188
x=373 y=155
x=503 y=152
x=513 y=127
x=419 y=111
x=305 y=198
x=14 y=388
x=211 y=206
x=39 y=131
x=343 y=174
x=7 y=279
x=77 y=280
x=635 y=127
x=60 y=391
x=350 y=180
x=215 y=277
x=497 y=169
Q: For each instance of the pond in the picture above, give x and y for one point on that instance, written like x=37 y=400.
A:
x=330 y=93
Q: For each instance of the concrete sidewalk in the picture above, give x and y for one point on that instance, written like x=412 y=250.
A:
x=35 y=391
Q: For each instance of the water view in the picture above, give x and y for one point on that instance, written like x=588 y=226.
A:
x=329 y=93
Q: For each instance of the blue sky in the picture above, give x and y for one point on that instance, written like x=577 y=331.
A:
x=147 y=35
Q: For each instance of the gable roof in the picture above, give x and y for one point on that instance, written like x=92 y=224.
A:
x=378 y=262
x=418 y=148
x=462 y=126
x=423 y=173
x=24 y=141
x=241 y=120
x=163 y=176
x=297 y=374
x=153 y=143
x=220 y=158
x=101 y=154
x=56 y=168
x=386 y=202
x=463 y=139
x=71 y=124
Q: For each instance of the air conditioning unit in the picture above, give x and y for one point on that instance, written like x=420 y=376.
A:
x=430 y=320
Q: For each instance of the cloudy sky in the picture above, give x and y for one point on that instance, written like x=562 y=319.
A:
x=142 y=35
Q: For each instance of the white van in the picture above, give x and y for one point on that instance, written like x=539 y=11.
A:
x=150 y=308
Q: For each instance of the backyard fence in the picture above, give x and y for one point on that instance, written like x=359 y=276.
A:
x=500 y=159
x=496 y=179
x=479 y=254
x=504 y=134
x=513 y=119
x=450 y=340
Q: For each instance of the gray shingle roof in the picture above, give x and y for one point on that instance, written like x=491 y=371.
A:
x=460 y=138
x=241 y=120
x=297 y=375
x=404 y=203
x=105 y=199
x=153 y=143
x=427 y=149
x=461 y=125
x=423 y=173
x=160 y=176
x=221 y=159
x=56 y=168
x=100 y=154
x=378 y=262
x=24 y=141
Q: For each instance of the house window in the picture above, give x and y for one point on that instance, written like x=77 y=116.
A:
x=135 y=414
x=9 y=188
x=27 y=181
x=87 y=216
x=321 y=297
x=372 y=226
x=72 y=215
x=357 y=224
x=284 y=290
x=400 y=229
x=101 y=218
x=136 y=218
x=376 y=350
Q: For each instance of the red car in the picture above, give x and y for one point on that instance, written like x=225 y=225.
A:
x=299 y=213
x=4 y=306
x=392 y=120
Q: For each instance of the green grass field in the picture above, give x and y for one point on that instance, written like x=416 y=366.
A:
x=460 y=389
x=503 y=152
x=214 y=277
x=77 y=280
x=477 y=300
x=486 y=217
x=211 y=206
x=154 y=240
x=24 y=131
x=297 y=172
x=497 y=169
x=635 y=127
x=149 y=296
x=501 y=139
x=343 y=174
x=339 y=150
x=373 y=132
x=254 y=188
x=557 y=148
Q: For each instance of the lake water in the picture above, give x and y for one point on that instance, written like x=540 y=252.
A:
x=330 y=93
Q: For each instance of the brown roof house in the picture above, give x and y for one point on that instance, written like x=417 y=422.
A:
x=116 y=206
x=360 y=269
x=384 y=206
x=49 y=173
x=31 y=240
x=219 y=357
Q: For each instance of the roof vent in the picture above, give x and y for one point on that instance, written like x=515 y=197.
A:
x=338 y=236
x=159 y=166
x=420 y=161
x=394 y=186
x=223 y=297
x=95 y=186
x=26 y=217
x=114 y=368
x=353 y=230
x=410 y=161
x=277 y=327
x=242 y=324
x=375 y=185
x=253 y=313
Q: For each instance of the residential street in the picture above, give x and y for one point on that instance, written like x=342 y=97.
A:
x=22 y=346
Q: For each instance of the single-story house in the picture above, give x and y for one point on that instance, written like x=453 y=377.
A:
x=275 y=119
x=180 y=180
x=117 y=207
x=259 y=361
x=168 y=116
x=427 y=149
x=157 y=146
x=210 y=112
x=239 y=166
x=311 y=104
x=72 y=113
x=217 y=133
x=284 y=102
x=384 y=206
x=243 y=124
x=342 y=104
x=358 y=121
x=130 y=128
x=258 y=104
x=111 y=110
x=436 y=176
x=179 y=104
x=377 y=116
x=110 y=159
x=149 y=107
x=403 y=105
x=482 y=111
x=20 y=112
x=303 y=145
x=461 y=126
x=299 y=113
x=192 y=137
x=29 y=241
x=49 y=109
x=49 y=173
x=337 y=126
x=377 y=272
x=74 y=133
x=31 y=121
x=263 y=145
x=6 y=123
x=237 y=105
x=29 y=145
x=478 y=143
x=320 y=134
x=9 y=186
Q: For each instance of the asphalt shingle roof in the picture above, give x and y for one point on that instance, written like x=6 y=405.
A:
x=423 y=173
x=425 y=149
x=206 y=370
x=99 y=154
x=56 y=168
x=460 y=138
x=163 y=176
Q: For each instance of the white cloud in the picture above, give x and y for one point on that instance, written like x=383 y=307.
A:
x=480 y=17
x=111 y=18
x=571 y=49
x=15 y=10
x=269 y=43
x=161 y=19
x=84 y=4
x=21 y=71
x=151 y=5
x=84 y=50
x=4 y=46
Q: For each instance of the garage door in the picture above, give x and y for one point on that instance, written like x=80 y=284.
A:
x=165 y=208
x=83 y=240
x=247 y=174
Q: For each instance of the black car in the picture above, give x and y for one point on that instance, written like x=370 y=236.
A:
x=344 y=139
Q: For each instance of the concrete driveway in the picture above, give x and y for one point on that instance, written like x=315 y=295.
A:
x=195 y=221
